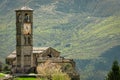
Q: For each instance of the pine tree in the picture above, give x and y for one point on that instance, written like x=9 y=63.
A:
x=114 y=74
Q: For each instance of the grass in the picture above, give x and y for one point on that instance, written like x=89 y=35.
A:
x=23 y=78
x=29 y=78
x=2 y=75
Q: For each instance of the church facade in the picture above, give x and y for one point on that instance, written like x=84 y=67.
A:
x=26 y=58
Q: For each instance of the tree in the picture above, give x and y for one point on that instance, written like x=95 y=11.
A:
x=114 y=74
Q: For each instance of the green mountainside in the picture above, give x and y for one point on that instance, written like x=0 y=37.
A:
x=85 y=30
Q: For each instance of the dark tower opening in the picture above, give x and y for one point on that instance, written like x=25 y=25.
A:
x=27 y=18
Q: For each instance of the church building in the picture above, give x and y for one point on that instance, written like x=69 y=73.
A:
x=26 y=58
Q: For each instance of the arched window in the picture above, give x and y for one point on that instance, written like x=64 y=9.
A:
x=27 y=18
x=19 y=18
x=29 y=40
x=25 y=40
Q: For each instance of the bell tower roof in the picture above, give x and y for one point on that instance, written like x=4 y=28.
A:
x=25 y=8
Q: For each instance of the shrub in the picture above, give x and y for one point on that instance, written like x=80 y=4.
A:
x=53 y=70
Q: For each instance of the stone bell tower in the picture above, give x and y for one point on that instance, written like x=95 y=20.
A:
x=24 y=39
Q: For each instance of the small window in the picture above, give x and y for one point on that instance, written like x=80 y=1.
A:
x=18 y=65
x=49 y=55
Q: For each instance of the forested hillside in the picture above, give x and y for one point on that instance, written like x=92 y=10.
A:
x=85 y=30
